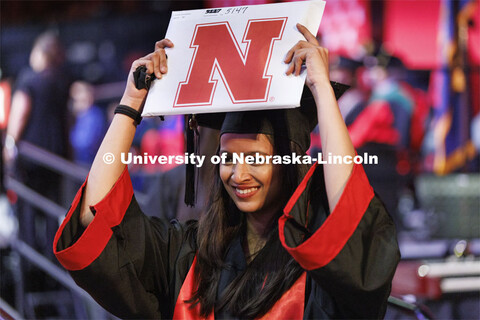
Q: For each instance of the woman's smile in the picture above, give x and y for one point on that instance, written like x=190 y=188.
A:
x=244 y=192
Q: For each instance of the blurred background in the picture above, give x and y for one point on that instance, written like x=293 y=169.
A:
x=414 y=68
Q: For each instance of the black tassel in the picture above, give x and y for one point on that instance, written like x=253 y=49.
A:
x=190 y=128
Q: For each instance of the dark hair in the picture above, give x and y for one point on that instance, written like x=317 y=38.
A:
x=249 y=295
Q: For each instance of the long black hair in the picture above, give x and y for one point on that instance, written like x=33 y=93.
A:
x=272 y=272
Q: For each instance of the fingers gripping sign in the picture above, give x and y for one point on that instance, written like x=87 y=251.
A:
x=155 y=63
x=161 y=67
x=310 y=53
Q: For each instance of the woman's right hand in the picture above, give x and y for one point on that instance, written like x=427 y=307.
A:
x=120 y=134
x=156 y=62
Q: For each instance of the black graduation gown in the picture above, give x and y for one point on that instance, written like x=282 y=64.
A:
x=135 y=266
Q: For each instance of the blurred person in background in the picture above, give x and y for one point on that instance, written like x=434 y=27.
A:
x=38 y=116
x=388 y=121
x=367 y=112
x=89 y=126
x=344 y=70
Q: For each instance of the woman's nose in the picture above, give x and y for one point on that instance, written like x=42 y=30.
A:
x=240 y=173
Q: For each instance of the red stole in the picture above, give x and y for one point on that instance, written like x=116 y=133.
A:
x=289 y=306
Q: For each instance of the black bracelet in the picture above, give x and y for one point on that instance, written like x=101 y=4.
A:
x=130 y=112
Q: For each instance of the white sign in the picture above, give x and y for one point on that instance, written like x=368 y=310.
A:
x=231 y=59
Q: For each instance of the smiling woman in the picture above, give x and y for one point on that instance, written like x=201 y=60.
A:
x=289 y=241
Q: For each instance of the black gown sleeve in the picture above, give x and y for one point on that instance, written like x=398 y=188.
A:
x=131 y=264
x=351 y=253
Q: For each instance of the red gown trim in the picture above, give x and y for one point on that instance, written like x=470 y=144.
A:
x=183 y=310
x=290 y=306
x=109 y=213
x=325 y=244
x=292 y=303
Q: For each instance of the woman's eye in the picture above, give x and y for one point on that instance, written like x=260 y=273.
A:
x=228 y=158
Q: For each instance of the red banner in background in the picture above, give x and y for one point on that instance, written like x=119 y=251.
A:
x=346 y=27
x=411 y=32
x=5 y=95
x=474 y=33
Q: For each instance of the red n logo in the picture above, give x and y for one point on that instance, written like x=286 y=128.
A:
x=243 y=73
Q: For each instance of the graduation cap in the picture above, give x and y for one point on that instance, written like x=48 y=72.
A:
x=293 y=124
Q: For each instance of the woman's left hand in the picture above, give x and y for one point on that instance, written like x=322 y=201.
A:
x=333 y=132
x=314 y=56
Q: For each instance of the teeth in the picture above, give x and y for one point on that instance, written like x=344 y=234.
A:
x=245 y=191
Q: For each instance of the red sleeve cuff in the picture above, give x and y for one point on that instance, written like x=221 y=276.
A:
x=325 y=244
x=109 y=213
